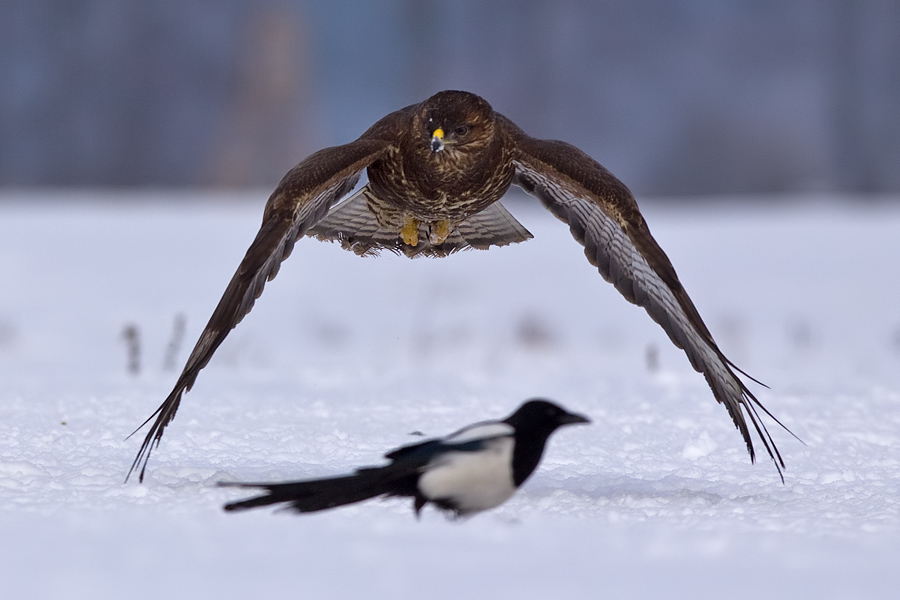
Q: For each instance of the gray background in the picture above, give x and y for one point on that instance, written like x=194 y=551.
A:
x=677 y=98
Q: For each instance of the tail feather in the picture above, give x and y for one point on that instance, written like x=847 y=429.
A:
x=493 y=226
x=355 y=227
x=320 y=494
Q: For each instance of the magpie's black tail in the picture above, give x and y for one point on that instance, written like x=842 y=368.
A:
x=320 y=494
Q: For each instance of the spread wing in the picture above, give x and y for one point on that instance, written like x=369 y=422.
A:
x=603 y=216
x=302 y=198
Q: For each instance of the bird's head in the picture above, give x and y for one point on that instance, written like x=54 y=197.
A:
x=543 y=417
x=533 y=423
x=451 y=122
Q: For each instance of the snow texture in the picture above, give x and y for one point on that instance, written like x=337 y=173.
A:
x=344 y=358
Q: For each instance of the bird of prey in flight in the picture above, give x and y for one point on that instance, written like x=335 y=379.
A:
x=436 y=171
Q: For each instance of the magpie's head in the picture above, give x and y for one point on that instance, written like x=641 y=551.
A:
x=542 y=417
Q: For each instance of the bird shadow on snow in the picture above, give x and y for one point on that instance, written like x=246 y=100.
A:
x=671 y=491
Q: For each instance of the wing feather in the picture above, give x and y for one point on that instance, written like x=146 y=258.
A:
x=603 y=216
x=303 y=197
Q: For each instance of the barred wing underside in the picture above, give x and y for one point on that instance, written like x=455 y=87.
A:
x=603 y=217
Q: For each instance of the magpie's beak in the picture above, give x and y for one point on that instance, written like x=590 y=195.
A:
x=572 y=419
x=437 y=140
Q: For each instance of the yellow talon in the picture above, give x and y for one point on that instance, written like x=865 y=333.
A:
x=410 y=231
x=440 y=231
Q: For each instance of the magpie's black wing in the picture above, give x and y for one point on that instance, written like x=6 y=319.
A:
x=302 y=198
x=468 y=439
x=604 y=217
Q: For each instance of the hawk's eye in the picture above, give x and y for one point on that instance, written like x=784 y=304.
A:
x=461 y=130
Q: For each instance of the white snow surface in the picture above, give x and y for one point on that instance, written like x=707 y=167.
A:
x=343 y=358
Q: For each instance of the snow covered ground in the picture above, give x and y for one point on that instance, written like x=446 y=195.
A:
x=343 y=357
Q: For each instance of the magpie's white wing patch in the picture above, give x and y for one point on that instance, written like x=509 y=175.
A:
x=480 y=431
x=472 y=481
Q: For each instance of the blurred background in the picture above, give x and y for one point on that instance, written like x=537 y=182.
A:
x=690 y=97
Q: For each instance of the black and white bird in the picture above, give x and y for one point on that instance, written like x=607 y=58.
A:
x=476 y=468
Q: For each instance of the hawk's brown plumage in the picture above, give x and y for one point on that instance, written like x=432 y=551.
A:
x=436 y=171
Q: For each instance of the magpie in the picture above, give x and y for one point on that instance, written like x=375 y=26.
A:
x=474 y=469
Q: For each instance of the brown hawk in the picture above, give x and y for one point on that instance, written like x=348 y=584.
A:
x=435 y=173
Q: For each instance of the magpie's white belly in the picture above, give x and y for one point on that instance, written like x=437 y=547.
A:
x=472 y=481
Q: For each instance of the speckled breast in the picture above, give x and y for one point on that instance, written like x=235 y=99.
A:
x=435 y=190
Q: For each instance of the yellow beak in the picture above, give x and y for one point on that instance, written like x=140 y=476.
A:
x=437 y=140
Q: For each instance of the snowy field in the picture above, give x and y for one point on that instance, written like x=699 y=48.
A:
x=343 y=357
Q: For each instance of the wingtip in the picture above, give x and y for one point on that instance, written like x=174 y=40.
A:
x=143 y=456
x=164 y=415
x=750 y=403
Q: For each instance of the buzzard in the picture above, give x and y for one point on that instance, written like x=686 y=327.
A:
x=436 y=171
